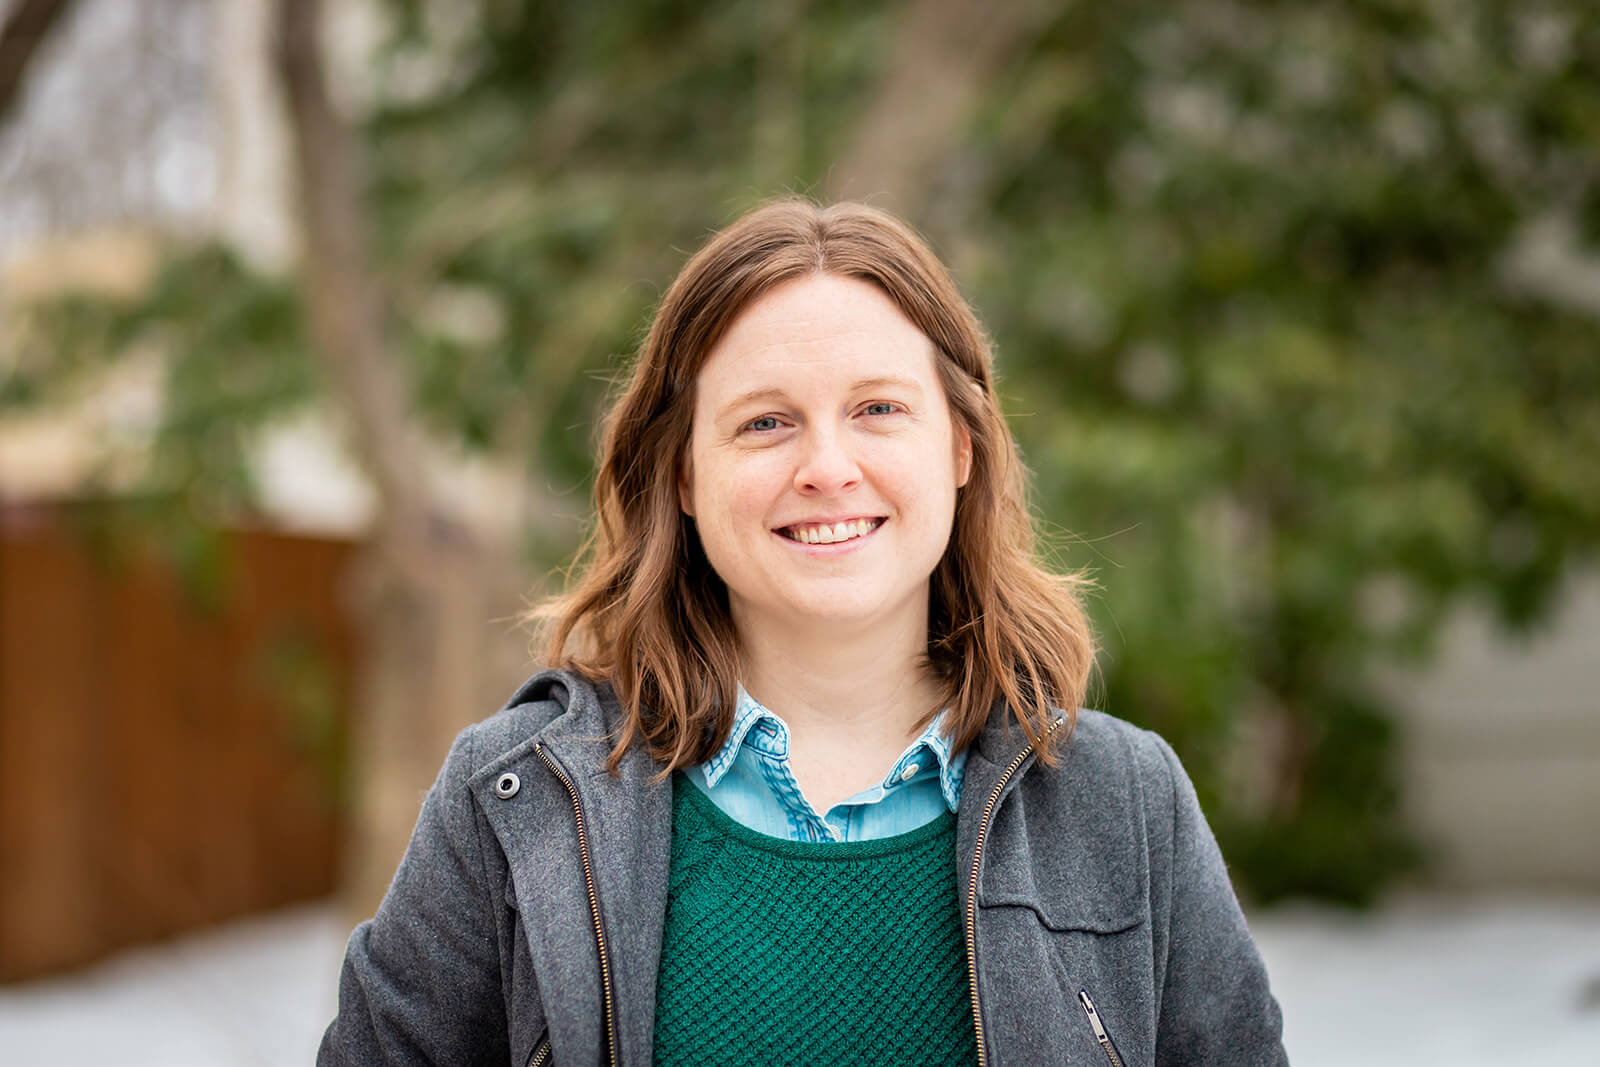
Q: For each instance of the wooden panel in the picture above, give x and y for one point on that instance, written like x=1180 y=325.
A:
x=166 y=761
x=51 y=767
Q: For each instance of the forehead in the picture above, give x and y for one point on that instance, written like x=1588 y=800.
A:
x=818 y=325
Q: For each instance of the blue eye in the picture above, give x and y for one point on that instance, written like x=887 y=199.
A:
x=882 y=407
x=763 y=424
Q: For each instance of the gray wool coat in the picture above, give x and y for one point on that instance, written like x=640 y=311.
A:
x=524 y=924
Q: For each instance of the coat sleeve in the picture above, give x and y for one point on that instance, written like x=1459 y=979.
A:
x=421 y=982
x=1216 y=1006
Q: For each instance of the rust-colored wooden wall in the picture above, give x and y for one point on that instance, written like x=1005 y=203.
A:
x=164 y=764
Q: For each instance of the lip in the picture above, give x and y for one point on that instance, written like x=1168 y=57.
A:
x=829 y=519
x=837 y=547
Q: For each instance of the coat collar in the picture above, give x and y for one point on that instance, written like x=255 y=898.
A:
x=630 y=831
x=989 y=778
x=627 y=821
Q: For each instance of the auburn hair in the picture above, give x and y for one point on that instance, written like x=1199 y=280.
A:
x=644 y=610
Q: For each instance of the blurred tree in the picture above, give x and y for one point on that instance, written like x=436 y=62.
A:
x=25 y=28
x=1263 y=271
x=432 y=578
x=945 y=54
x=1296 y=306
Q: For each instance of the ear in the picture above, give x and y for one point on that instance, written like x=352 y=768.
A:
x=963 y=455
x=685 y=489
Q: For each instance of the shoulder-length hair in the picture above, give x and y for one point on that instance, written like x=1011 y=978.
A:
x=643 y=609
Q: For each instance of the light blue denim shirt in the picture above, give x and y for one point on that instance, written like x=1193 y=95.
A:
x=750 y=780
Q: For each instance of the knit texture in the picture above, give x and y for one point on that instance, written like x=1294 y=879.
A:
x=794 y=952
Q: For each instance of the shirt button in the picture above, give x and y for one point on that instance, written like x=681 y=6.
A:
x=910 y=772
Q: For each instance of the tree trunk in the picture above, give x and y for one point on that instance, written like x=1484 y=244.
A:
x=427 y=592
x=944 y=55
x=24 y=30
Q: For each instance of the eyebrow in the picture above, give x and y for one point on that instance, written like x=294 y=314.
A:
x=774 y=393
x=769 y=393
x=876 y=383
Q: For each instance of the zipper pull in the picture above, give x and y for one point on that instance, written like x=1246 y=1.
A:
x=1100 y=1033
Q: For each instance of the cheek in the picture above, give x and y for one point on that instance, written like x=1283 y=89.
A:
x=748 y=500
x=916 y=469
x=735 y=495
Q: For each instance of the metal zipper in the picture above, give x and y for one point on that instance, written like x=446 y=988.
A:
x=541 y=1053
x=1100 y=1034
x=594 y=905
x=972 y=892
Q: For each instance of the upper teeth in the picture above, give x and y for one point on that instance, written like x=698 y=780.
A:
x=824 y=534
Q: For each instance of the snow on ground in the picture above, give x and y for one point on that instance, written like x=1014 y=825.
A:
x=1452 y=981
x=1457 y=982
x=253 y=993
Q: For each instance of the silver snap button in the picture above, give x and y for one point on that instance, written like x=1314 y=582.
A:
x=506 y=786
x=910 y=772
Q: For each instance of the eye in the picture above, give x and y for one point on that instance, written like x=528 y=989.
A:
x=881 y=407
x=764 y=424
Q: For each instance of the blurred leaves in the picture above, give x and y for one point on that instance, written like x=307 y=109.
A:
x=293 y=673
x=1263 y=331
x=233 y=358
x=1246 y=269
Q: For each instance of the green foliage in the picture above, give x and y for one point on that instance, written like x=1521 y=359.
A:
x=121 y=530
x=234 y=359
x=1245 y=265
x=1251 y=284
x=292 y=671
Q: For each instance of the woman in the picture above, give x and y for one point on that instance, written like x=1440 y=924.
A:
x=805 y=791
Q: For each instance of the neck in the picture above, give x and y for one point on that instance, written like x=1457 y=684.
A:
x=853 y=698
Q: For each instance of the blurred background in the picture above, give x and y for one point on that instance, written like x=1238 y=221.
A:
x=306 y=312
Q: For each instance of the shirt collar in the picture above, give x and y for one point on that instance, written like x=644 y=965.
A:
x=747 y=712
x=951 y=766
x=755 y=726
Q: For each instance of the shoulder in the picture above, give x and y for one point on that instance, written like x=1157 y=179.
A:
x=1080 y=840
x=1112 y=782
x=1105 y=749
x=549 y=702
x=1128 y=784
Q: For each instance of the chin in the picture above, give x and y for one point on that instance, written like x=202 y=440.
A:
x=843 y=611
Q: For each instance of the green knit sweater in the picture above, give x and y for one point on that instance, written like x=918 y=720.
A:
x=792 y=952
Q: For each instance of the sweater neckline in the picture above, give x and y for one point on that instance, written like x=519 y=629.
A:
x=687 y=793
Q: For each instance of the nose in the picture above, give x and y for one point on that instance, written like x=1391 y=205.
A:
x=826 y=464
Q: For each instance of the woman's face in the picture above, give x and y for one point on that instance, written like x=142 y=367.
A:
x=823 y=460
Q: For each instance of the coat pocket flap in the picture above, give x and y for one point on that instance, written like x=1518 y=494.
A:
x=1095 y=916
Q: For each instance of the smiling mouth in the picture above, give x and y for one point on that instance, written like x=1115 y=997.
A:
x=822 y=533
